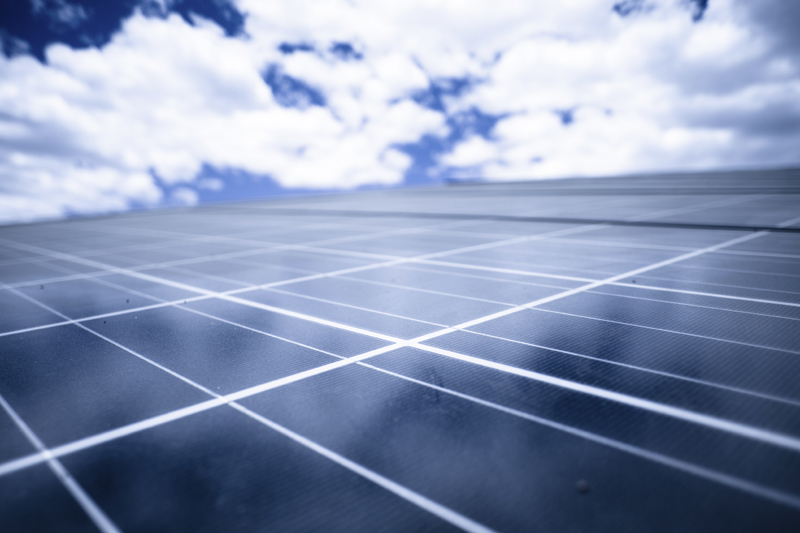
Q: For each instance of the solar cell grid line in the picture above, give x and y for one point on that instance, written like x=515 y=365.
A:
x=551 y=263
x=694 y=469
x=669 y=331
x=397 y=286
x=502 y=270
x=757 y=293
x=738 y=270
x=189 y=310
x=407 y=267
x=410 y=287
x=443 y=263
x=777 y=439
x=278 y=283
x=610 y=284
x=571 y=353
x=713 y=269
x=228 y=294
x=631 y=366
x=784 y=400
x=687 y=304
x=448 y=252
x=266 y=247
x=289 y=247
x=403 y=492
x=638 y=287
x=429 y=505
x=704 y=294
x=775 y=283
x=703 y=382
x=701 y=293
x=600 y=242
x=634 y=286
x=207 y=294
x=688 y=415
x=743 y=485
x=616 y=278
x=509 y=304
x=89 y=506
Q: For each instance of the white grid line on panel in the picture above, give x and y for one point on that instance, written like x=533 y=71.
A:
x=706 y=383
x=415 y=498
x=686 y=333
x=719 y=424
x=73 y=487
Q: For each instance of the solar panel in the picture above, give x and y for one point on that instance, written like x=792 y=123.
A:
x=608 y=354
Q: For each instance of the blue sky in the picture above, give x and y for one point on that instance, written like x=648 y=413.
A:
x=110 y=105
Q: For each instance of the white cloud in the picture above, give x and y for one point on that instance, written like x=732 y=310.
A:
x=97 y=130
x=167 y=97
x=184 y=196
x=651 y=92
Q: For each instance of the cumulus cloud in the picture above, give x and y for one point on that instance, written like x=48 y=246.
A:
x=348 y=93
x=652 y=90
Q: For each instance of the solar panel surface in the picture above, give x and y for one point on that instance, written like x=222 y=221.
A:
x=577 y=355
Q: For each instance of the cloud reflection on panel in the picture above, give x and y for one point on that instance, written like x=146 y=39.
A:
x=109 y=105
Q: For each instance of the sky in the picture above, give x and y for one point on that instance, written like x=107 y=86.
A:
x=108 y=105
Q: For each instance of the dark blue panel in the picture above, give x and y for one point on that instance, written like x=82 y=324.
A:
x=19 y=272
x=692 y=283
x=783 y=417
x=765 y=331
x=668 y=401
x=67 y=383
x=222 y=471
x=159 y=291
x=243 y=273
x=434 y=308
x=501 y=470
x=195 y=280
x=459 y=285
x=18 y=313
x=83 y=298
x=756 y=369
x=34 y=500
x=13 y=443
x=321 y=263
x=217 y=355
x=135 y=258
x=761 y=267
x=755 y=280
x=367 y=320
x=644 y=429
x=707 y=301
x=406 y=245
x=337 y=341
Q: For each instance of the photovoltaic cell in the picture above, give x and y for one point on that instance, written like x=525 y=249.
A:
x=573 y=355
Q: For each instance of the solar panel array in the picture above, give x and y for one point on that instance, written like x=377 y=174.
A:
x=609 y=354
